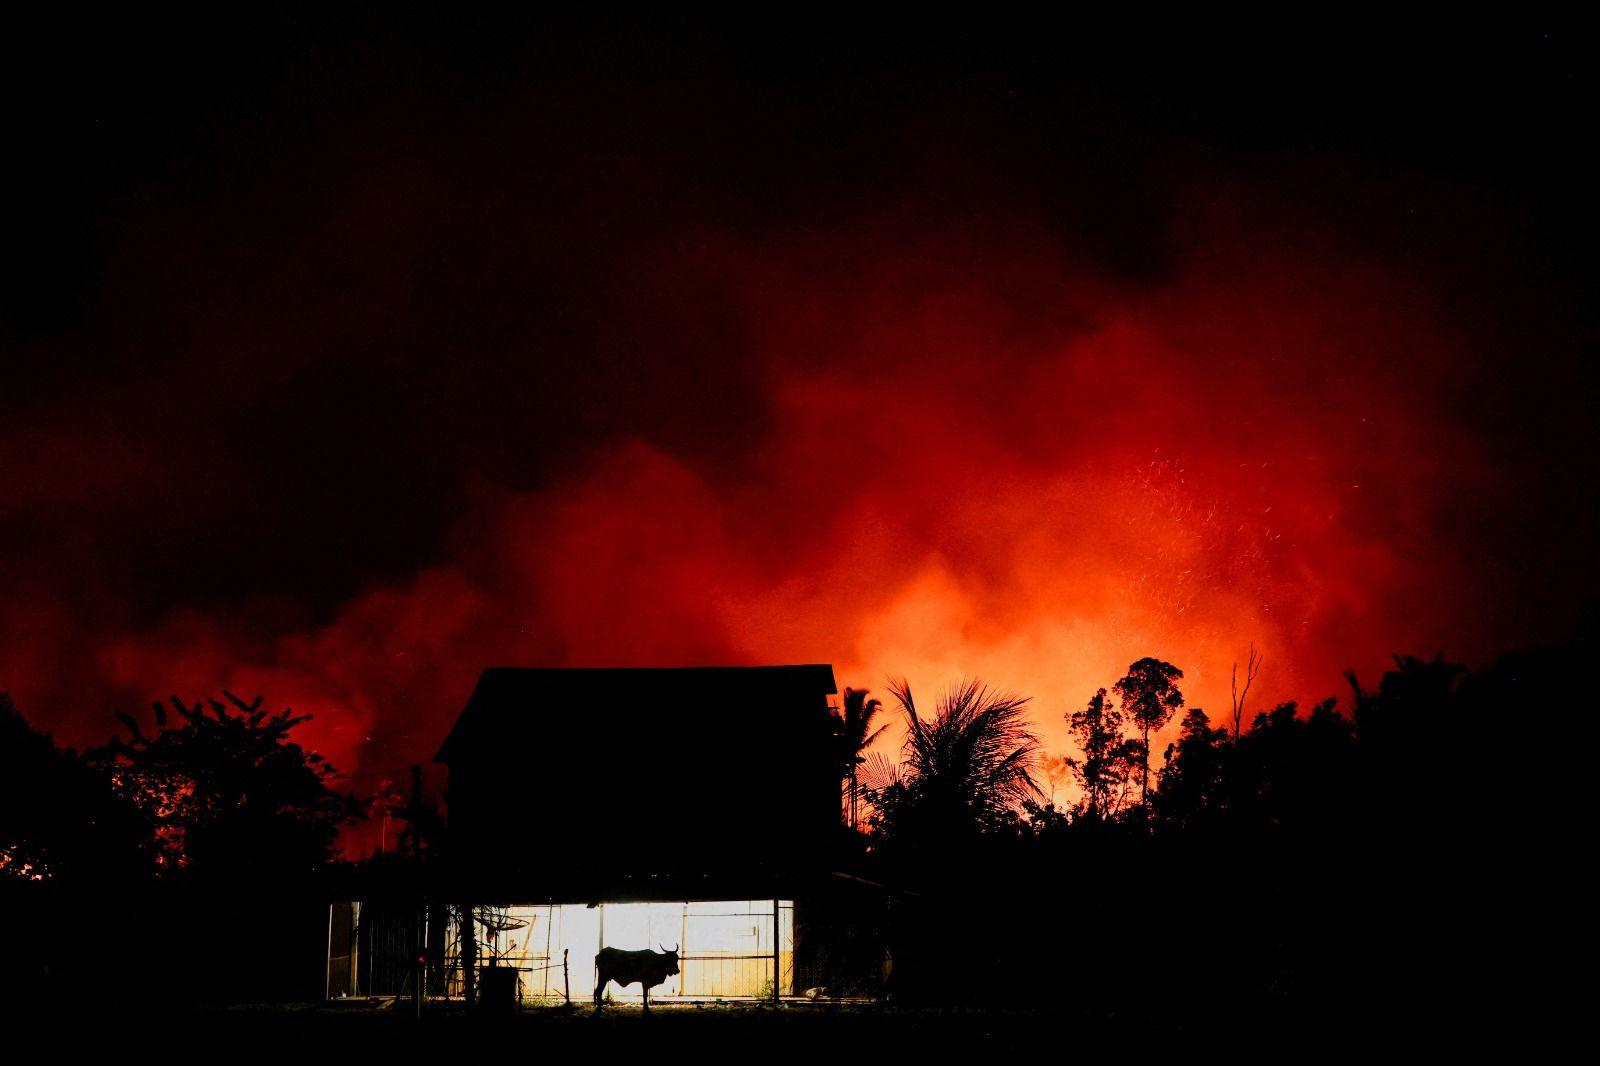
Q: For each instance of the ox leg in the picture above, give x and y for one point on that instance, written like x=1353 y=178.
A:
x=599 y=984
x=646 y=987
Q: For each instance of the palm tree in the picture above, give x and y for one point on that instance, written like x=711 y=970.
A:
x=973 y=761
x=856 y=735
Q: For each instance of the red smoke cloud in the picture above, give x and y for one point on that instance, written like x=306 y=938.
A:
x=975 y=460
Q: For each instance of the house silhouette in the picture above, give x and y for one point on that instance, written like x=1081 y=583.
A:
x=629 y=807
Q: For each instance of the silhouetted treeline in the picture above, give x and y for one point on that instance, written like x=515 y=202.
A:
x=1377 y=857
x=1400 y=851
x=175 y=864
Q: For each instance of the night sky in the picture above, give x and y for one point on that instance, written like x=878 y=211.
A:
x=347 y=352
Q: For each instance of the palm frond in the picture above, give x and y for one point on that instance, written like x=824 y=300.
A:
x=879 y=772
x=977 y=752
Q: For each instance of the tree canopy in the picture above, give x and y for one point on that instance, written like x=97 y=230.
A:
x=229 y=793
x=1150 y=697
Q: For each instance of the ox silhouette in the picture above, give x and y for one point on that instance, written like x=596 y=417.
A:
x=647 y=968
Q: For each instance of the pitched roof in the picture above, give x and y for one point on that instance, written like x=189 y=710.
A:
x=510 y=702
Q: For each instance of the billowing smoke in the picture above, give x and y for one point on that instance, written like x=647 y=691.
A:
x=346 y=455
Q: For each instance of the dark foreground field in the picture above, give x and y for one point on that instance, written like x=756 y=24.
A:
x=793 y=1033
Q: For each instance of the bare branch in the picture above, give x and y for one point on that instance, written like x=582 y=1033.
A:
x=1252 y=668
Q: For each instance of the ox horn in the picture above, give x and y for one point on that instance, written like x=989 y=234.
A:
x=664 y=947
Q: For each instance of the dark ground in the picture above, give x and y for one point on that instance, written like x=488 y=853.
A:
x=795 y=1032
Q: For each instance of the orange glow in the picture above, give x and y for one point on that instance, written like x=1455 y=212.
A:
x=974 y=462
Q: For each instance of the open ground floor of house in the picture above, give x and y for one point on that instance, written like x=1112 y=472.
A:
x=727 y=949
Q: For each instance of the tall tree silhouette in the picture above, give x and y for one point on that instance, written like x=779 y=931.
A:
x=1150 y=696
x=1193 y=786
x=1406 y=726
x=856 y=735
x=1108 y=756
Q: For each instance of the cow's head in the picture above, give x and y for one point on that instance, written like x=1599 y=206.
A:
x=670 y=958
